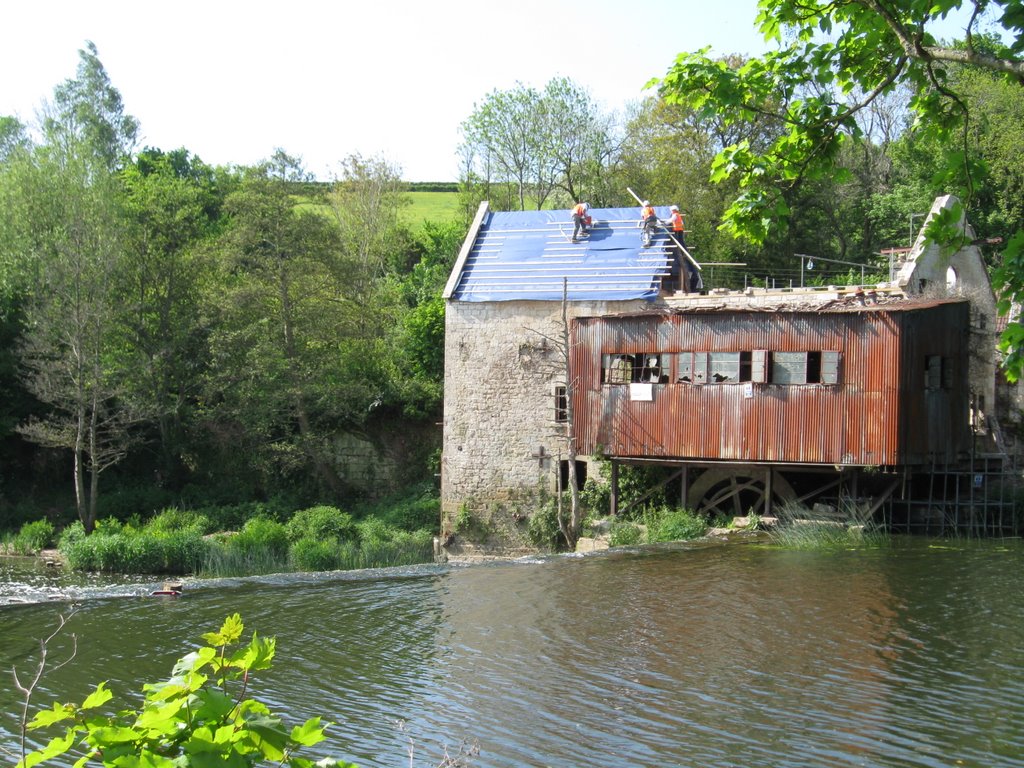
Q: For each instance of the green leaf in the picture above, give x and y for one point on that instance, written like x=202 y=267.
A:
x=50 y=716
x=58 y=745
x=144 y=759
x=230 y=632
x=98 y=697
x=309 y=733
x=161 y=720
x=214 y=704
x=212 y=760
x=112 y=734
x=194 y=661
x=268 y=736
x=257 y=655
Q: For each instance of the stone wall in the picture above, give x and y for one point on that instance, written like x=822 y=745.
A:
x=502 y=443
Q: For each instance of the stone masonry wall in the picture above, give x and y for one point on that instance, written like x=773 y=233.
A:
x=501 y=441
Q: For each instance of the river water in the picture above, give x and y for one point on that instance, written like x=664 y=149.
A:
x=739 y=655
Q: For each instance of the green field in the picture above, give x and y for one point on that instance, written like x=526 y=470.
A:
x=426 y=206
x=431 y=206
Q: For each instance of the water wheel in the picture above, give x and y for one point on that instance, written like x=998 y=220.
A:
x=736 y=492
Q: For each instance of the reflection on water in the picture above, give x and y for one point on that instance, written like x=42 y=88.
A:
x=691 y=656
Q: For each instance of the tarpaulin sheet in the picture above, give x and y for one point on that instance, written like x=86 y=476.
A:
x=529 y=255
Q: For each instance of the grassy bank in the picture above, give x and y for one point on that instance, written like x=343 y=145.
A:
x=245 y=539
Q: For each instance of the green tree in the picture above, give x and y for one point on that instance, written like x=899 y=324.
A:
x=502 y=136
x=833 y=60
x=173 y=205
x=65 y=227
x=276 y=315
x=75 y=224
x=13 y=137
x=539 y=141
x=87 y=110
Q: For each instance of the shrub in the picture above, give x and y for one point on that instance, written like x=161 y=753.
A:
x=674 y=525
x=261 y=533
x=311 y=554
x=33 y=537
x=321 y=523
x=417 y=513
x=625 y=533
x=172 y=519
x=71 y=534
x=128 y=551
x=373 y=531
x=542 y=529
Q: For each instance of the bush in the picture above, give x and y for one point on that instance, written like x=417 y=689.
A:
x=232 y=517
x=625 y=533
x=71 y=534
x=173 y=519
x=417 y=513
x=314 y=555
x=542 y=528
x=321 y=523
x=127 y=551
x=674 y=525
x=374 y=531
x=261 y=534
x=33 y=537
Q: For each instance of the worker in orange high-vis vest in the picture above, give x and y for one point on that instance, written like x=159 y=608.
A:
x=580 y=220
x=678 y=271
x=647 y=214
x=675 y=224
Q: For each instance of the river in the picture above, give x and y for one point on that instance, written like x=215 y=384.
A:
x=703 y=655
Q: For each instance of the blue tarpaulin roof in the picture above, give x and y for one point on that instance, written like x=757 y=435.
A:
x=526 y=255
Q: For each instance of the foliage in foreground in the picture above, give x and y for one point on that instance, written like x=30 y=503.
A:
x=202 y=716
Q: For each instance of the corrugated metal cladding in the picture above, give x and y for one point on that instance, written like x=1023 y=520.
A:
x=899 y=396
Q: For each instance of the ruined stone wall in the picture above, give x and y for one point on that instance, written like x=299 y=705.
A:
x=501 y=444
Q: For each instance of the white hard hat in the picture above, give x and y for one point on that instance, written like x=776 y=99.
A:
x=673 y=207
x=645 y=203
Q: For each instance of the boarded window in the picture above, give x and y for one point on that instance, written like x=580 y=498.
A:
x=830 y=367
x=759 y=365
x=938 y=373
x=814 y=367
x=789 y=367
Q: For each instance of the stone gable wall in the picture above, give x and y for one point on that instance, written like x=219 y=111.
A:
x=503 y=362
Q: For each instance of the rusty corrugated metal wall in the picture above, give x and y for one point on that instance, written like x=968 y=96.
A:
x=877 y=414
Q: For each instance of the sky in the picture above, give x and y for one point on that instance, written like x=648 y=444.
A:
x=233 y=81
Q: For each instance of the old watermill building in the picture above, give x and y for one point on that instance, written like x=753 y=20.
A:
x=882 y=397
